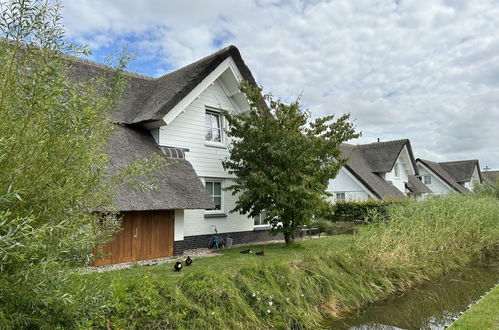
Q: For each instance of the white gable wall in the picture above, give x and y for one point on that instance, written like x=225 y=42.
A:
x=475 y=179
x=346 y=183
x=437 y=186
x=187 y=130
x=405 y=169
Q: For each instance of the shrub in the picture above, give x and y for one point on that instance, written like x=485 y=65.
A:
x=360 y=212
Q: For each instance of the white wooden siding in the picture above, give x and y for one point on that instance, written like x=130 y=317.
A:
x=344 y=183
x=437 y=186
x=188 y=131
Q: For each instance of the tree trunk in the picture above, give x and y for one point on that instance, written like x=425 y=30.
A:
x=289 y=238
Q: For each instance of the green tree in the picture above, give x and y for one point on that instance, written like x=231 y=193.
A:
x=53 y=138
x=282 y=160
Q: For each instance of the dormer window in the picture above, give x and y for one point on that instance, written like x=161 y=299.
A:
x=213 y=127
x=396 y=170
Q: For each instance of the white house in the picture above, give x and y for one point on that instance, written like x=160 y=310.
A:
x=178 y=115
x=456 y=176
x=380 y=171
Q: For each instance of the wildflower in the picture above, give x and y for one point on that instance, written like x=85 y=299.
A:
x=212 y=313
x=254 y=294
x=288 y=284
x=268 y=311
x=302 y=295
x=270 y=303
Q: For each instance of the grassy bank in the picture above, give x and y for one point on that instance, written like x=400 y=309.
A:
x=295 y=287
x=483 y=315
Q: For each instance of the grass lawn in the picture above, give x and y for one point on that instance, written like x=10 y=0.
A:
x=483 y=315
x=231 y=260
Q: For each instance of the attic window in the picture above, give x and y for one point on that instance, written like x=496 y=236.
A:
x=213 y=126
x=426 y=179
x=397 y=170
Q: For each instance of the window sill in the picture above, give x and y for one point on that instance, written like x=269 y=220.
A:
x=261 y=227
x=215 y=215
x=215 y=145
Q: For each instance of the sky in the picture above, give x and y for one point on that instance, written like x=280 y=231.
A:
x=423 y=70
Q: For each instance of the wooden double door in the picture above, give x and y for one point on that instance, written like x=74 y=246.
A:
x=144 y=235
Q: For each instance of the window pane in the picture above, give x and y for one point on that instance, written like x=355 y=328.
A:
x=216 y=135
x=215 y=120
x=256 y=220
x=217 y=188
x=209 y=136
x=207 y=120
x=209 y=187
x=218 y=203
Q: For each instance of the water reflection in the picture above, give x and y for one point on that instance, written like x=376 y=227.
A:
x=432 y=305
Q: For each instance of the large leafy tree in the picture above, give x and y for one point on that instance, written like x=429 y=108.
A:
x=283 y=160
x=53 y=138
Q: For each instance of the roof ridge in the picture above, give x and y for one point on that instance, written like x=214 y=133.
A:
x=459 y=161
x=382 y=142
x=105 y=66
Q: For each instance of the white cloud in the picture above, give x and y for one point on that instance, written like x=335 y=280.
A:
x=425 y=70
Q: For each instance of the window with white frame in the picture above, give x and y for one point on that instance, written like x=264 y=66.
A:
x=260 y=220
x=396 y=170
x=427 y=179
x=214 y=188
x=340 y=197
x=213 y=126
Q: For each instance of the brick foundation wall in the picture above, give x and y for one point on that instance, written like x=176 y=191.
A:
x=242 y=237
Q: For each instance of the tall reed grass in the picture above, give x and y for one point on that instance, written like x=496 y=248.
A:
x=421 y=241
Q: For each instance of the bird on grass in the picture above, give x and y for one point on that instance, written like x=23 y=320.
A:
x=248 y=251
x=188 y=261
x=178 y=266
x=260 y=253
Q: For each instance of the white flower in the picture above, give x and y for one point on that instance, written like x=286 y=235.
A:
x=268 y=311
x=212 y=313
x=270 y=303
x=302 y=295
x=254 y=294
x=288 y=284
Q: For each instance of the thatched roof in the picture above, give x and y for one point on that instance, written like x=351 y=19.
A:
x=490 y=176
x=462 y=170
x=178 y=186
x=441 y=172
x=150 y=99
x=367 y=161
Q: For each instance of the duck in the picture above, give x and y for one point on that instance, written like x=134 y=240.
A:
x=248 y=251
x=188 y=261
x=260 y=253
x=178 y=266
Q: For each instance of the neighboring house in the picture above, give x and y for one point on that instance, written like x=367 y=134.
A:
x=457 y=176
x=179 y=115
x=379 y=171
x=490 y=176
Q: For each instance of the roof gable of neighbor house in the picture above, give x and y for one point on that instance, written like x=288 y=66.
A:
x=440 y=172
x=366 y=161
x=176 y=185
x=490 y=176
x=148 y=99
x=462 y=170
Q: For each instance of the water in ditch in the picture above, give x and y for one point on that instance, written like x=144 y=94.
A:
x=432 y=305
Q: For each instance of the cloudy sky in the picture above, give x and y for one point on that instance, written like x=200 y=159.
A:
x=426 y=70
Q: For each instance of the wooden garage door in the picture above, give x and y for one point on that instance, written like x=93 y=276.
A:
x=145 y=235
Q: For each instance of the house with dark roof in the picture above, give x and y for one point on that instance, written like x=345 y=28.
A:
x=380 y=171
x=444 y=177
x=177 y=116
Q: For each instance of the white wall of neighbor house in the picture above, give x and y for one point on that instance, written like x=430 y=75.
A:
x=178 y=226
x=437 y=186
x=344 y=183
x=475 y=179
x=188 y=130
x=405 y=168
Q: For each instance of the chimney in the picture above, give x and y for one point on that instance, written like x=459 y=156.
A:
x=378 y=139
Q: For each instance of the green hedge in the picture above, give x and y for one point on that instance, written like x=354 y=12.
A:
x=360 y=212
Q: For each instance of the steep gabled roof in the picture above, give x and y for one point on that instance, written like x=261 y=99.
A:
x=381 y=156
x=415 y=185
x=360 y=165
x=148 y=99
x=462 y=170
x=490 y=176
x=443 y=175
x=176 y=185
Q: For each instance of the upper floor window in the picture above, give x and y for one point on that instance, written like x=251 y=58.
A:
x=340 y=197
x=427 y=179
x=396 y=170
x=214 y=188
x=213 y=126
x=261 y=219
